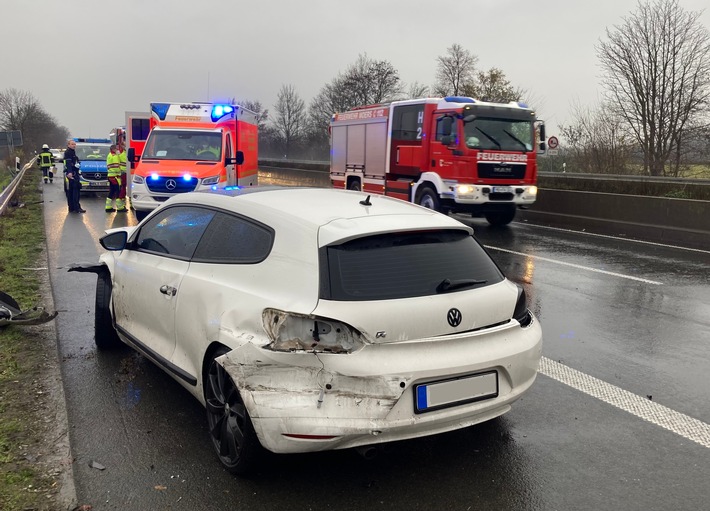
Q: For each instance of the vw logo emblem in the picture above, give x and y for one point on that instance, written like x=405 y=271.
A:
x=454 y=317
x=97 y=176
x=170 y=184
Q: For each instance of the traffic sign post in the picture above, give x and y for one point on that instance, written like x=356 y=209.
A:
x=553 y=143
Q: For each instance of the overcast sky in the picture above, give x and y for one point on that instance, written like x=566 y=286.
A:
x=89 y=61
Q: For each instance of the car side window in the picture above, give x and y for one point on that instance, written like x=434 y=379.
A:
x=234 y=239
x=174 y=231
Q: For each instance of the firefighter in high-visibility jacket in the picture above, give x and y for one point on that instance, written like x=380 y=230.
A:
x=114 y=181
x=122 y=159
x=45 y=160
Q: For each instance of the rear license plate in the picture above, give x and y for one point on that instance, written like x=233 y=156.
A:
x=98 y=183
x=502 y=189
x=456 y=391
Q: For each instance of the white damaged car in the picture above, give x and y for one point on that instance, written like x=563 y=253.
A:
x=310 y=319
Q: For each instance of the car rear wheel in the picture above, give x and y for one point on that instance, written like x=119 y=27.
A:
x=105 y=335
x=230 y=427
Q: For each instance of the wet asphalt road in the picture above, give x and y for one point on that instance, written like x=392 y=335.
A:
x=617 y=419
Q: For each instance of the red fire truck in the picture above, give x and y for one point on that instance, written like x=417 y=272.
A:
x=190 y=146
x=453 y=154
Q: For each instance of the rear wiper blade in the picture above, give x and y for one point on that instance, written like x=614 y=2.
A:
x=451 y=285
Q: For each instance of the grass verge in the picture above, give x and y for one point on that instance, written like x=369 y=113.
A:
x=27 y=481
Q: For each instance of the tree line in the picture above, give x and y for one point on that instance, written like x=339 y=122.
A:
x=21 y=111
x=654 y=118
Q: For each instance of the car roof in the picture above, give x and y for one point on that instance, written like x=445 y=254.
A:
x=337 y=214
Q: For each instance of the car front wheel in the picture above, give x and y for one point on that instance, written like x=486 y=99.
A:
x=105 y=335
x=230 y=427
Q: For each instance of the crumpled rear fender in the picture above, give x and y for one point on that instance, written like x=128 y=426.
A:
x=277 y=384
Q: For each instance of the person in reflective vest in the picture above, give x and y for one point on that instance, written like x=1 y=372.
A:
x=45 y=160
x=122 y=159
x=114 y=180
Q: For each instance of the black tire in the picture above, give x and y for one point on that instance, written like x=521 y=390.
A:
x=500 y=218
x=105 y=335
x=354 y=185
x=428 y=198
x=230 y=427
x=140 y=215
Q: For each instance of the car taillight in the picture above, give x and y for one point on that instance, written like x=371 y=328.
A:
x=299 y=332
x=521 y=314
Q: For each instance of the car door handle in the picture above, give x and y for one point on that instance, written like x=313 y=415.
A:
x=168 y=290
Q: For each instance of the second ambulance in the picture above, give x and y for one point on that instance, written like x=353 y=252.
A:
x=193 y=146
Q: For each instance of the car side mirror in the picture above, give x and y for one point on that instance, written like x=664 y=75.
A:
x=114 y=241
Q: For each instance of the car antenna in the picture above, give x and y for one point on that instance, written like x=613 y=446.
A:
x=366 y=202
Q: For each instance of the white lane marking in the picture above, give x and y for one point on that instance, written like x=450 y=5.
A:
x=579 y=266
x=644 y=408
x=620 y=238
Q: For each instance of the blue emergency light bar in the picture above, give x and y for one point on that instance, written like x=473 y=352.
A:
x=92 y=140
x=219 y=111
x=160 y=109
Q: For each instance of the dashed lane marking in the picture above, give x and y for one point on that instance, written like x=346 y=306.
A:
x=644 y=408
x=578 y=266
x=620 y=238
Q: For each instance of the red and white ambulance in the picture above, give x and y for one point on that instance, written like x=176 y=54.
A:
x=190 y=146
x=453 y=154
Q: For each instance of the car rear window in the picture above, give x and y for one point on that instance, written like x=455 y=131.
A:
x=404 y=265
x=231 y=239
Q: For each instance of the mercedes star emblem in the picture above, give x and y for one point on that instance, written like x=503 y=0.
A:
x=170 y=184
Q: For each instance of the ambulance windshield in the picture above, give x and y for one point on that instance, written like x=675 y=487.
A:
x=183 y=145
x=499 y=134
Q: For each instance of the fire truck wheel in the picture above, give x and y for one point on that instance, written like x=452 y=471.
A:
x=427 y=197
x=354 y=185
x=498 y=218
x=105 y=334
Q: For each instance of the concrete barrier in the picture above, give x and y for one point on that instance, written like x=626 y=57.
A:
x=683 y=222
x=652 y=218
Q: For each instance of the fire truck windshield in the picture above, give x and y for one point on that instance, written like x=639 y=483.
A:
x=183 y=145
x=499 y=134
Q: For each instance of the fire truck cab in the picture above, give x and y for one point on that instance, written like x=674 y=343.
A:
x=192 y=146
x=453 y=154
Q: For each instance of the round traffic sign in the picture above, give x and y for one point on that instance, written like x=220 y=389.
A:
x=552 y=142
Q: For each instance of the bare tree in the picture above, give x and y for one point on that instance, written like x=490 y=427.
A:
x=20 y=111
x=455 y=70
x=417 y=90
x=492 y=85
x=369 y=81
x=597 y=141
x=290 y=120
x=262 y=114
x=657 y=76
x=365 y=82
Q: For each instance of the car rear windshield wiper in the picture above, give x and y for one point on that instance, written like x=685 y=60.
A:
x=447 y=285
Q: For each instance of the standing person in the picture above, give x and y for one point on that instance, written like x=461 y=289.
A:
x=122 y=202
x=71 y=173
x=45 y=160
x=114 y=179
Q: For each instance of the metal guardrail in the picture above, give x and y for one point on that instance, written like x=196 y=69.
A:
x=9 y=191
x=325 y=165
